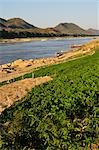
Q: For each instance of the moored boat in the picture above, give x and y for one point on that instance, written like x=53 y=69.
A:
x=75 y=46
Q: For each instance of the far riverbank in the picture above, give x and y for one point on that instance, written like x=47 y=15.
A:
x=21 y=40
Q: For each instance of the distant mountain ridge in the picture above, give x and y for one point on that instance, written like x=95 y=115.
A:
x=17 y=27
x=93 y=31
x=16 y=23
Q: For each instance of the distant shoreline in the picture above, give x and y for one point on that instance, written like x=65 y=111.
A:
x=22 y=40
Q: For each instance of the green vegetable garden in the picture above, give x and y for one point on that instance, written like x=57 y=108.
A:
x=62 y=114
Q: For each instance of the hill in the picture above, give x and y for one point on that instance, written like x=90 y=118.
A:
x=2 y=23
x=70 y=28
x=93 y=31
x=19 y=23
x=18 y=28
x=16 y=23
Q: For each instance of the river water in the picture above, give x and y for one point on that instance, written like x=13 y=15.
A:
x=37 y=49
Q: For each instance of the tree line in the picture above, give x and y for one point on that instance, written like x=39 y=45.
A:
x=25 y=34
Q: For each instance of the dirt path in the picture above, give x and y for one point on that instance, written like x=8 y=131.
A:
x=15 y=91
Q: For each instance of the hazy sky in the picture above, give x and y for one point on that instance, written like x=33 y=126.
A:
x=47 y=13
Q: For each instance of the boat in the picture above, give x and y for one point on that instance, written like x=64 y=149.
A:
x=59 y=53
x=75 y=46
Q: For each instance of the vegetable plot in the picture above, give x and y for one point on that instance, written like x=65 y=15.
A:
x=59 y=115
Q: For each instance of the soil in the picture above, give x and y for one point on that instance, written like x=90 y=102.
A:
x=15 y=91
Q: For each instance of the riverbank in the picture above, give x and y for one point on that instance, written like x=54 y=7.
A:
x=22 y=40
x=18 y=89
x=20 y=67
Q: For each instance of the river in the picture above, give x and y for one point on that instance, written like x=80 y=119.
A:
x=37 y=49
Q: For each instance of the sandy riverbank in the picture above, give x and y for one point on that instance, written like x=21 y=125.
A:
x=20 y=67
x=21 y=40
